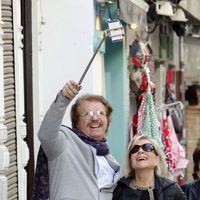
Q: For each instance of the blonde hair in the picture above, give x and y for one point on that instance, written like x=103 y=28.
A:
x=161 y=169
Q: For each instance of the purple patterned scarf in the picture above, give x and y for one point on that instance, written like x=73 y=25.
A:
x=41 y=181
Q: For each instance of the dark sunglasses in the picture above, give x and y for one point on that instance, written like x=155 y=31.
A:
x=148 y=147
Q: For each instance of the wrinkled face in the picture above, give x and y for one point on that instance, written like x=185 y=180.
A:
x=92 y=119
x=145 y=157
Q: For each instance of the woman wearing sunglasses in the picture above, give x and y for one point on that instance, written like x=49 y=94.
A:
x=146 y=174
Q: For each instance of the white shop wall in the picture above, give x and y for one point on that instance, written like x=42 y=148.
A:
x=62 y=47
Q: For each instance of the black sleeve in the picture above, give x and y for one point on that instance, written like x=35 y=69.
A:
x=186 y=189
x=180 y=195
x=115 y=193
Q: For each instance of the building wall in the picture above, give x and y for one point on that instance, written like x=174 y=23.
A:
x=192 y=63
x=62 y=46
x=117 y=92
x=14 y=152
x=192 y=126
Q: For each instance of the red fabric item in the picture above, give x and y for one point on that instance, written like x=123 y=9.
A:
x=135 y=124
x=168 y=149
x=170 y=76
x=136 y=61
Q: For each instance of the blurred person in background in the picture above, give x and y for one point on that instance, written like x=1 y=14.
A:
x=192 y=189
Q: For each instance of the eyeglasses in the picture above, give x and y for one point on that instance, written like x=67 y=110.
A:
x=145 y=147
x=89 y=114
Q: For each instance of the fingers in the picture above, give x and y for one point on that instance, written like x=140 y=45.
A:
x=71 y=89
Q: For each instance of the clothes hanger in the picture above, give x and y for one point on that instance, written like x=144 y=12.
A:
x=170 y=105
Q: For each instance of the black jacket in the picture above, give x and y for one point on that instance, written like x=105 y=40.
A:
x=165 y=189
x=192 y=190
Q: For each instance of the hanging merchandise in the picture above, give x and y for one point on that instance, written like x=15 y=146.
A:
x=176 y=112
x=144 y=120
x=139 y=91
x=178 y=151
x=139 y=56
x=172 y=118
x=141 y=114
x=177 y=119
x=168 y=143
x=138 y=77
x=151 y=125
x=140 y=53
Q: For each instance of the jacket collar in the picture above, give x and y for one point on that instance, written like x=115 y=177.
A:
x=125 y=180
x=160 y=182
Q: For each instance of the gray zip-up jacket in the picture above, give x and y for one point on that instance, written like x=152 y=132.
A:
x=71 y=162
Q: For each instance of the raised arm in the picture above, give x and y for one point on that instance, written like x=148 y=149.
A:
x=50 y=127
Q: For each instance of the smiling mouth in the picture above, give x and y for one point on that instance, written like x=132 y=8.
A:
x=95 y=126
x=141 y=159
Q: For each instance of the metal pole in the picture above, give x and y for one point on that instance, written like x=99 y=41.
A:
x=90 y=62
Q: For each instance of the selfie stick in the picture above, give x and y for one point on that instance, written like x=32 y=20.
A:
x=115 y=32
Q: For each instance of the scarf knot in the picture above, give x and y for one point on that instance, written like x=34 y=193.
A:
x=100 y=145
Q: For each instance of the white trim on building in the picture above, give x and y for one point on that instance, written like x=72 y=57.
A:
x=4 y=154
x=22 y=148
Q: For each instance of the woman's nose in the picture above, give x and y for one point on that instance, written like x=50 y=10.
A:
x=141 y=150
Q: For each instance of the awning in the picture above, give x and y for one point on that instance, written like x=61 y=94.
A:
x=131 y=11
x=191 y=10
x=192 y=20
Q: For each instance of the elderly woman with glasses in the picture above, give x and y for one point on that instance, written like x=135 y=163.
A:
x=80 y=165
x=146 y=174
